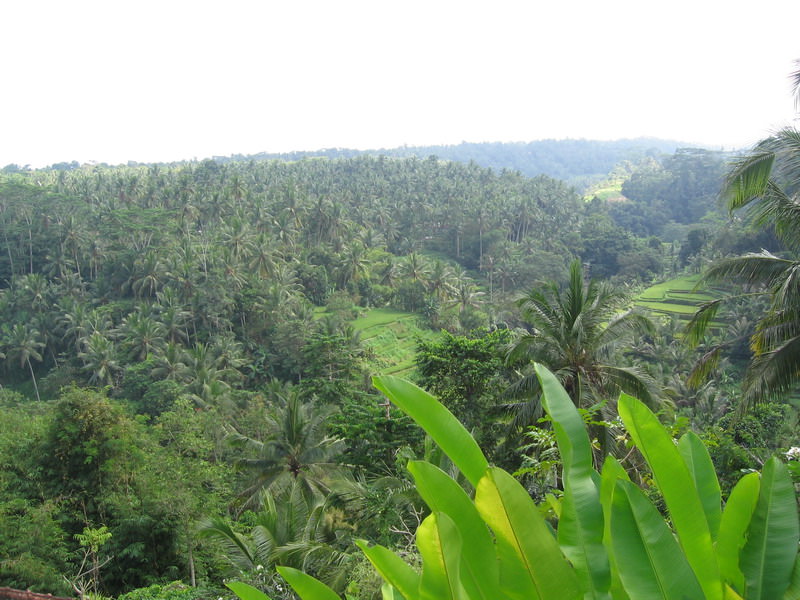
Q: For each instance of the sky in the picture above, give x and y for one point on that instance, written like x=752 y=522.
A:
x=150 y=81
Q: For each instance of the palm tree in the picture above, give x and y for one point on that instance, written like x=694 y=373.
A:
x=100 y=359
x=415 y=268
x=575 y=332
x=73 y=238
x=290 y=529
x=263 y=260
x=238 y=238
x=22 y=343
x=206 y=380
x=441 y=281
x=141 y=335
x=170 y=363
x=149 y=276
x=353 y=263
x=297 y=449
x=466 y=294
x=172 y=316
x=767 y=183
x=35 y=292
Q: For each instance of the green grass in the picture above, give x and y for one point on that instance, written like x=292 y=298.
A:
x=392 y=336
x=606 y=190
x=675 y=297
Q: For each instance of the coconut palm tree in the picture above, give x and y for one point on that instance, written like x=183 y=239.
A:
x=141 y=335
x=297 y=449
x=353 y=264
x=21 y=343
x=765 y=182
x=575 y=332
x=290 y=529
x=416 y=268
x=442 y=281
x=170 y=362
x=149 y=276
x=207 y=379
x=466 y=294
x=172 y=316
x=100 y=359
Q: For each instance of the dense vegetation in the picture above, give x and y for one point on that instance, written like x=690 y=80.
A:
x=186 y=391
x=578 y=162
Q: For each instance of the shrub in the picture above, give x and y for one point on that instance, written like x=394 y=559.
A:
x=611 y=541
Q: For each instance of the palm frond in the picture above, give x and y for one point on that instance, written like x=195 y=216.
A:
x=265 y=545
x=237 y=550
x=776 y=208
x=524 y=413
x=771 y=374
x=752 y=269
x=537 y=311
x=704 y=367
x=788 y=291
x=749 y=178
x=526 y=386
x=795 y=77
x=634 y=382
x=774 y=329
x=696 y=328
x=622 y=327
x=786 y=145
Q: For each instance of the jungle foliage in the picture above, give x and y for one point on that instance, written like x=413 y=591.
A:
x=185 y=384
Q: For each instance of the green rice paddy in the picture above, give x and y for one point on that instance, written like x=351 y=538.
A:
x=392 y=335
x=676 y=297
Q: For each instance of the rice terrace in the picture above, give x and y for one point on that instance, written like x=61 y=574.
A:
x=675 y=298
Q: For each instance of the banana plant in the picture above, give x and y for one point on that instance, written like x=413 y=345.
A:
x=610 y=542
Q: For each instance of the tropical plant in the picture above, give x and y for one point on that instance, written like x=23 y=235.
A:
x=575 y=332
x=297 y=449
x=291 y=529
x=766 y=181
x=21 y=343
x=611 y=541
x=100 y=360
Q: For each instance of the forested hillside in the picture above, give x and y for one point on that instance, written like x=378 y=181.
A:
x=578 y=162
x=186 y=393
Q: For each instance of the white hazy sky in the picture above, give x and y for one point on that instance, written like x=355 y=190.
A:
x=119 y=80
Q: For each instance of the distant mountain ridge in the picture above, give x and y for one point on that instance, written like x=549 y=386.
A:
x=579 y=162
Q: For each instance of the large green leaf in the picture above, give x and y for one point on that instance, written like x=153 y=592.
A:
x=680 y=494
x=246 y=592
x=733 y=528
x=306 y=586
x=612 y=471
x=730 y=594
x=438 y=422
x=793 y=592
x=650 y=561
x=440 y=546
x=389 y=592
x=393 y=569
x=698 y=461
x=580 y=527
x=479 y=571
x=769 y=554
x=531 y=563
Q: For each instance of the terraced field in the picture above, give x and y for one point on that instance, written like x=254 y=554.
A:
x=392 y=335
x=675 y=297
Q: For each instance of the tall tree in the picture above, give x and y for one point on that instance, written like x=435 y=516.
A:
x=21 y=343
x=297 y=449
x=766 y=182
x=575 y=331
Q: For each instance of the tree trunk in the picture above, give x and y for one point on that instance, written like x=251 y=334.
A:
x=33 y=377
x=192 y=578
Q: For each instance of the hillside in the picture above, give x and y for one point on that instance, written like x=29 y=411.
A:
x=579 y=162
